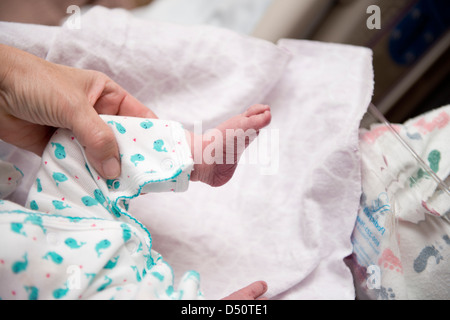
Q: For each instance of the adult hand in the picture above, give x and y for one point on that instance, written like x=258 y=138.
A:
x=37 y=96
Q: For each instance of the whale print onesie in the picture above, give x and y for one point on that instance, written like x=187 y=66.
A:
x=76 y=238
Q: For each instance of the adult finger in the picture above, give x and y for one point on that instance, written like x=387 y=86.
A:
x=130 y=106
x=100 y=144
x=251 y=292
x=115 y=100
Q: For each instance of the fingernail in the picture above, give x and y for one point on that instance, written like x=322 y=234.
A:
x=111 y=168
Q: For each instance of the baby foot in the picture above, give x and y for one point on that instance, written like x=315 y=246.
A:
x=222 y=147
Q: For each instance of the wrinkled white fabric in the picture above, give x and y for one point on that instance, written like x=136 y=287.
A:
x=287 y=216
x=237 y=15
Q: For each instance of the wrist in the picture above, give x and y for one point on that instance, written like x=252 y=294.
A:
x=8 y=58
x=5 y=67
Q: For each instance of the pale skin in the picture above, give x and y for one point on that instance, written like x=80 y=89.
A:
x=37 y=96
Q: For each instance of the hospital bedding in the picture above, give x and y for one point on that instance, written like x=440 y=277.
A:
x=287 y=218
x=238 y=15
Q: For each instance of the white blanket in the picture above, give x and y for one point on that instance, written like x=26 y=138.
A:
x=287 y=219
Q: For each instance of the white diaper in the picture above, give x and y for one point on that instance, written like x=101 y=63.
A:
x=401 y=238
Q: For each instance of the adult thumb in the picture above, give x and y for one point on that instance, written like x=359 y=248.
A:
x=99 y=142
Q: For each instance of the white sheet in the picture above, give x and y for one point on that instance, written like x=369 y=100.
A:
x=291 y=228
x=237 y=15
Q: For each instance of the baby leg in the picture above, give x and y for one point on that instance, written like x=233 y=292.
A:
x=222 y=147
